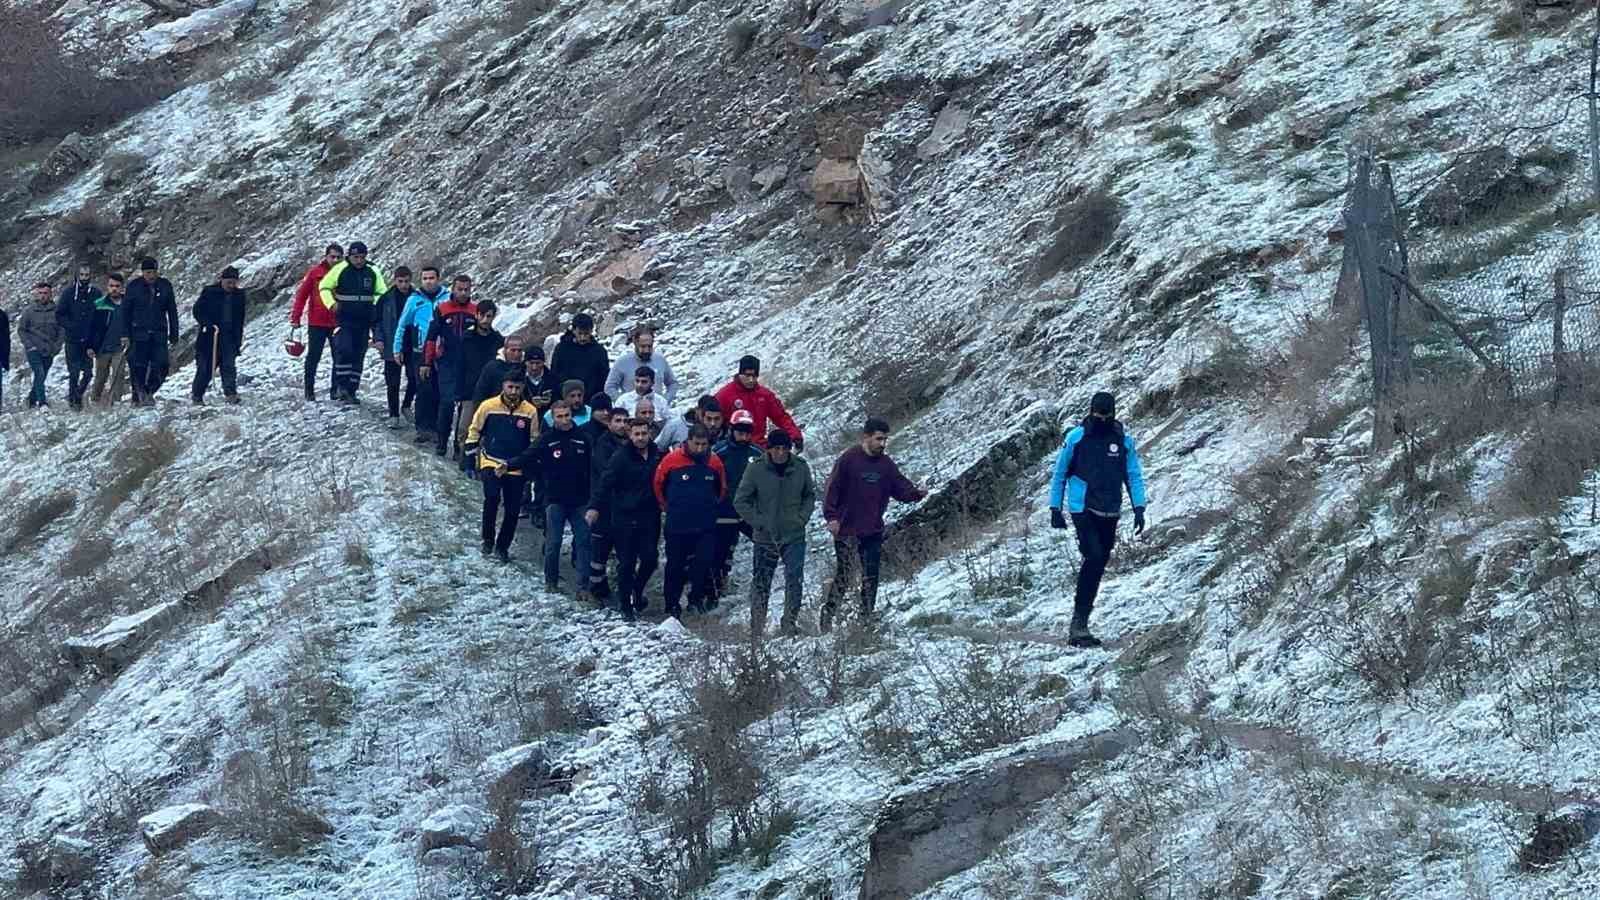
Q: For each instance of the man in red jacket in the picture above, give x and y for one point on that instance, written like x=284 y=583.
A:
x=863 y=482
x=747 y=393
x=319 y=318
x=689 y=486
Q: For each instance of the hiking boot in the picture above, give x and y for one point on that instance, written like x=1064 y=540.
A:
x=439 y=452
x=640 y=603
x=503 y=556
x=585 y=597
x=233 y=399
x=788 y=628
x=198 y=401
x=422 y=439
x=1079 y=636
x=487 y=548
x=552 y=585
x=626 y=609
x=825 y=620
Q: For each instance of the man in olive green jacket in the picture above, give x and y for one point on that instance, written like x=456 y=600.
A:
x=776 y=497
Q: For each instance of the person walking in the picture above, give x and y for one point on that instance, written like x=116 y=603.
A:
x=707 y=412
x=1097 y=460
x=41 y=335
x=220 y=312
x=351 y=290
x=777 y=496
x=443 y=362
x=579 y=356
x=410 y=334
x=737 y=453
x=601 y=541
x=389 y=343
x=624 y=503
x=502 y=429
x=75 y=312
x=747 y=392
x=509 y=363
x=152 y=315
x=108 y=338
x=543 y=387
x=863 y=481
x=643 y=356
x=320 y=320
x=5 y=355
x=479 y=347
x=644 y=386
x=562 y=458
x=690 y=485
x=572 y=394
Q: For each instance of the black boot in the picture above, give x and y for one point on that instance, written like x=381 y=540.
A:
x=1078 y=636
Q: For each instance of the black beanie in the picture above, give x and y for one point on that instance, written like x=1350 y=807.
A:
x=749 y=363
x=229 y=272
x=600 y=401
x=1103 y=403
x=148 y=264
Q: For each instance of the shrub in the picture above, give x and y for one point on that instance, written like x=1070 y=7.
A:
x=1557 y=450
x=974 y=701
x=51 y=88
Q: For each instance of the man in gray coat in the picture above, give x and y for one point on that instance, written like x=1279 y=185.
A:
x=776 y=497
x=41 y=336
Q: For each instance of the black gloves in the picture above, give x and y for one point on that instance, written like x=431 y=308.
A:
x=1057 y=520
x=800 y=444
x=1138 y=520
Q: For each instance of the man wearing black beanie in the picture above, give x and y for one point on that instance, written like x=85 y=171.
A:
x=220 y=312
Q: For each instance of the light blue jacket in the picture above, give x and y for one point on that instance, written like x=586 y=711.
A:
x=418 y=312
x=1092 y=468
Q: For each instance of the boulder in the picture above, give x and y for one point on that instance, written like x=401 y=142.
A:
x=463 y=119
x=837 y=181
x=1471 y=186
x=168 y=829
x=926 y=834
x=72 y=859
x=1559 y=835
x=511 y=772
x=771 y=178
x=68 y=158
x=198 y=29
x=453 y=826
x=948 y=128
x=670 y=627
x=877 y=181
x=116 y=645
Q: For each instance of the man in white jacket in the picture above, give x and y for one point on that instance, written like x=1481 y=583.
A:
x=644 y=383
x=642 y=355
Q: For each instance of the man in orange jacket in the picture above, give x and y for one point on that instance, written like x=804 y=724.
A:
x=319 y=318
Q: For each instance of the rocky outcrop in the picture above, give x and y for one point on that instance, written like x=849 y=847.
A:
x=72 y=860
x=836 y=181
x=74 y=154
x=453 y=826
x=119 y=642
x=199 y=29
x=511 y=772
x=929 y=833
x=171 y=828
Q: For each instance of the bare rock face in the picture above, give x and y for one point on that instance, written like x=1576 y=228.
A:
x=198 y=29
x=72 y=860
x=929 y=833
x=453 y=826
x=837 y=181
x=118 y=643
x=74 y=154
x=171 y=828
x=510 y=772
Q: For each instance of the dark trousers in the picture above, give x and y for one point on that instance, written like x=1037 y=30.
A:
x=392 y=371
x=426 y=415
x=148 y=359
x=40 y=364
x=80 y=368
x=445 y=417
x=689 y=565
x=767 y=557
x=316 y=339
x=205 y=364
x=556 y=517
x=727 y=542
x=600 y=545
x=1097 y=535
x=636 y=542
x=854 y=558
x=501 y=491
x=349 y=358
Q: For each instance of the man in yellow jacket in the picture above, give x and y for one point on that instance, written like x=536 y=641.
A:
x=351 y=290
x=502 y=430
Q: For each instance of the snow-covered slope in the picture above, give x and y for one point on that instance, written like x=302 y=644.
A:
x=1339 y=690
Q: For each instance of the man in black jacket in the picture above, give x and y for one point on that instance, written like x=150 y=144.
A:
x=75 y=312
x=494 y=374
x=108 y=340
x=602 y=447
x=544 y=388
x=384 y=327
x=152 y=330
x=579 y=356
x=479 y=346
x=5 y=355
x=220 y=312
x=624 y=503
x=562 y=458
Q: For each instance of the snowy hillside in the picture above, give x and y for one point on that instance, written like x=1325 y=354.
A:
x=252 y=652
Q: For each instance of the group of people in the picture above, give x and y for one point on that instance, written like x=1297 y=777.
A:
x=591 y=447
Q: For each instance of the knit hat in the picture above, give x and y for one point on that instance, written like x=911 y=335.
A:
x=749 y=364
x=780 y=438
x=357 y=247
x=534 y=352
x=148 y=264
x=600 y=401
x=1103 y=404
x=230 y=272
x=583 y=322
x=570 y=385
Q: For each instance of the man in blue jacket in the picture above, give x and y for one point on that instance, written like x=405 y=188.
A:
x=1096 y=461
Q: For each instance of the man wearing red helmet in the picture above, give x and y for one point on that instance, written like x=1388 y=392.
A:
x=736 y=451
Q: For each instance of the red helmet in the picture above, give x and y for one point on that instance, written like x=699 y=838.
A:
x=293 y=347
x=742 y=419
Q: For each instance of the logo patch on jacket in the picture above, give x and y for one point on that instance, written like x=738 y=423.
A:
x=557 y=453
x=870 y=477
x=521 y=424
x=684 y=476
x=738 y=403
x=1113 y=449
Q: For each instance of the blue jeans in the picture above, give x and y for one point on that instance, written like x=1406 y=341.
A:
x=41 y=370
x=555 y=515
x=793 y=556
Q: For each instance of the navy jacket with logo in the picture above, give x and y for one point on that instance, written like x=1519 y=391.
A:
x=690 y=490
x=562 y=461
x=1096 y=460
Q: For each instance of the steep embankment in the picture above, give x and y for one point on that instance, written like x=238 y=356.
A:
x=964 y=215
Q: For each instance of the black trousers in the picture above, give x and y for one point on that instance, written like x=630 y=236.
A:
x=689 y=565
x=635 y=540
x=600 y=546
x=349 y=357
x=1097 y=536
x=855 y=557
x=727 y=542
x=316 y=339
x=80 y=369
x=148 y=359
x=391 y=386
x=501 y=492
x=426 y=414
x=205 y=364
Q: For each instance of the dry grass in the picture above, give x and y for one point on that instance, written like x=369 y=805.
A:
x=1081 y=229
x=36 y=518
x=976 y=700
x=140 y=455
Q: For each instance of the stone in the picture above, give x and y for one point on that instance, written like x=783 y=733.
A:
x=72 y=859
x=453 y=826
x=445 y=857
x=877 y=182
x=119 y=642
x=1558 y=836
x=168 y=829
x=771 y=178
x=201 y=28
x=926 y=834
x=837 y=181
x=416 y=12
x=670 y=627
x=511 y=772
x=948 y=128
x=74 y=154
x=737 y=179
x=464 y=118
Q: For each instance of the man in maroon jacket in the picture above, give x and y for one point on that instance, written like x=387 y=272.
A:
x=319 y=319
x=860 y=487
